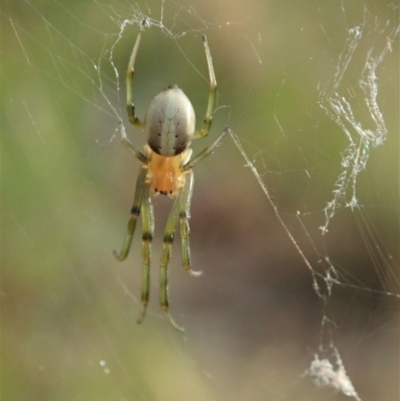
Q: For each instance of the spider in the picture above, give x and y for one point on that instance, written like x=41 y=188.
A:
x=166 y=169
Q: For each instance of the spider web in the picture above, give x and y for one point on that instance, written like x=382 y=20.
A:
x=295 y=217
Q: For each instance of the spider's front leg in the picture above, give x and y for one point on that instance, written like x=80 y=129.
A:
x=184 y=215
x=147 y=237
x=135 y=212
x=166 y=256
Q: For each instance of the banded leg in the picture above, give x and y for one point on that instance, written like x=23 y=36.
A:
x=184 y=216
x=135 y=212
x=130 y=105
x=148 y=231
x=128 y=144
x=211 y=97
x=204 y=153
x=165 y=257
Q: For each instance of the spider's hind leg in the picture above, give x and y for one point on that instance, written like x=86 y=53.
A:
x=130 y=105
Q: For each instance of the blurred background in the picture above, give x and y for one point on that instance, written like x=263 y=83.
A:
x=259 y=314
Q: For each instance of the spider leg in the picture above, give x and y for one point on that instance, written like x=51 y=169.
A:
x=147 y=237
x=165 y=257
x=184 y=215
x=130 y=105
x=211 y=97
x=135 y=212
x=128 y=144
x=204 y=153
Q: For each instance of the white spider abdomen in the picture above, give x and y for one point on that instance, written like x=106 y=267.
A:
x=170 y=122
